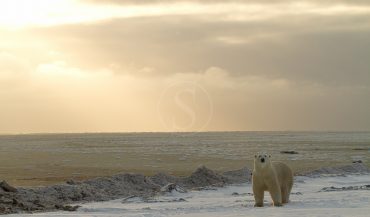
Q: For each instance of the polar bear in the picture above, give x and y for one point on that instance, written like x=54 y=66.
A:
x=274 y=177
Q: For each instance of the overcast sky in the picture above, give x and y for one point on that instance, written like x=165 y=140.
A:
x=125 y=65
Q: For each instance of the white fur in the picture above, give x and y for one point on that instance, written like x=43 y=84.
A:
x=274 y=177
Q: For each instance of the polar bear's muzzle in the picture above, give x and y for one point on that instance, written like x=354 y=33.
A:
x=262 y=160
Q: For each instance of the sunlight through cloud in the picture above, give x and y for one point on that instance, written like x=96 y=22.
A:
x=17 y=14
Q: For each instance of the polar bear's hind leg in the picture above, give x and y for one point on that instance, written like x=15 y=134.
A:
x=275 y=192
x=285 y=194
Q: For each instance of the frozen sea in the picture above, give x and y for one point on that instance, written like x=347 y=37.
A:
x=44 y=159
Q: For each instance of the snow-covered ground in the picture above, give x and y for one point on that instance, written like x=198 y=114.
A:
x=233 y=201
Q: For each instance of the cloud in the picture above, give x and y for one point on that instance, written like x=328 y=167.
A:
x=270 y=65
x=12 y=71
x=329 y=49
x=258 y=102
x=60 y=97
x=11 y=63
x=58 y=12
x=130 y=2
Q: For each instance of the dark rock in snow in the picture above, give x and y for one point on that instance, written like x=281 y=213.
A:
x=289 y=152
x=357 y=161
x=349 y=188
x=6 y=187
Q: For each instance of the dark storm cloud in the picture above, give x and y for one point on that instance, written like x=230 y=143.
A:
x=323 y=49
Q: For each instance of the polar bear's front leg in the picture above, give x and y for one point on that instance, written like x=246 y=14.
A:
x=284 y=194
x=276 y=197
x=258 y=193
x=258 y=189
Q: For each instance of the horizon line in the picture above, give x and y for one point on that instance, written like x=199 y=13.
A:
x=211 y=131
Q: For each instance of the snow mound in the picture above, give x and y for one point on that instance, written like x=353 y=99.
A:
x=355 y=168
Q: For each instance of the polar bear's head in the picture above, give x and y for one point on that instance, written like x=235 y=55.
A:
x=261 y=160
